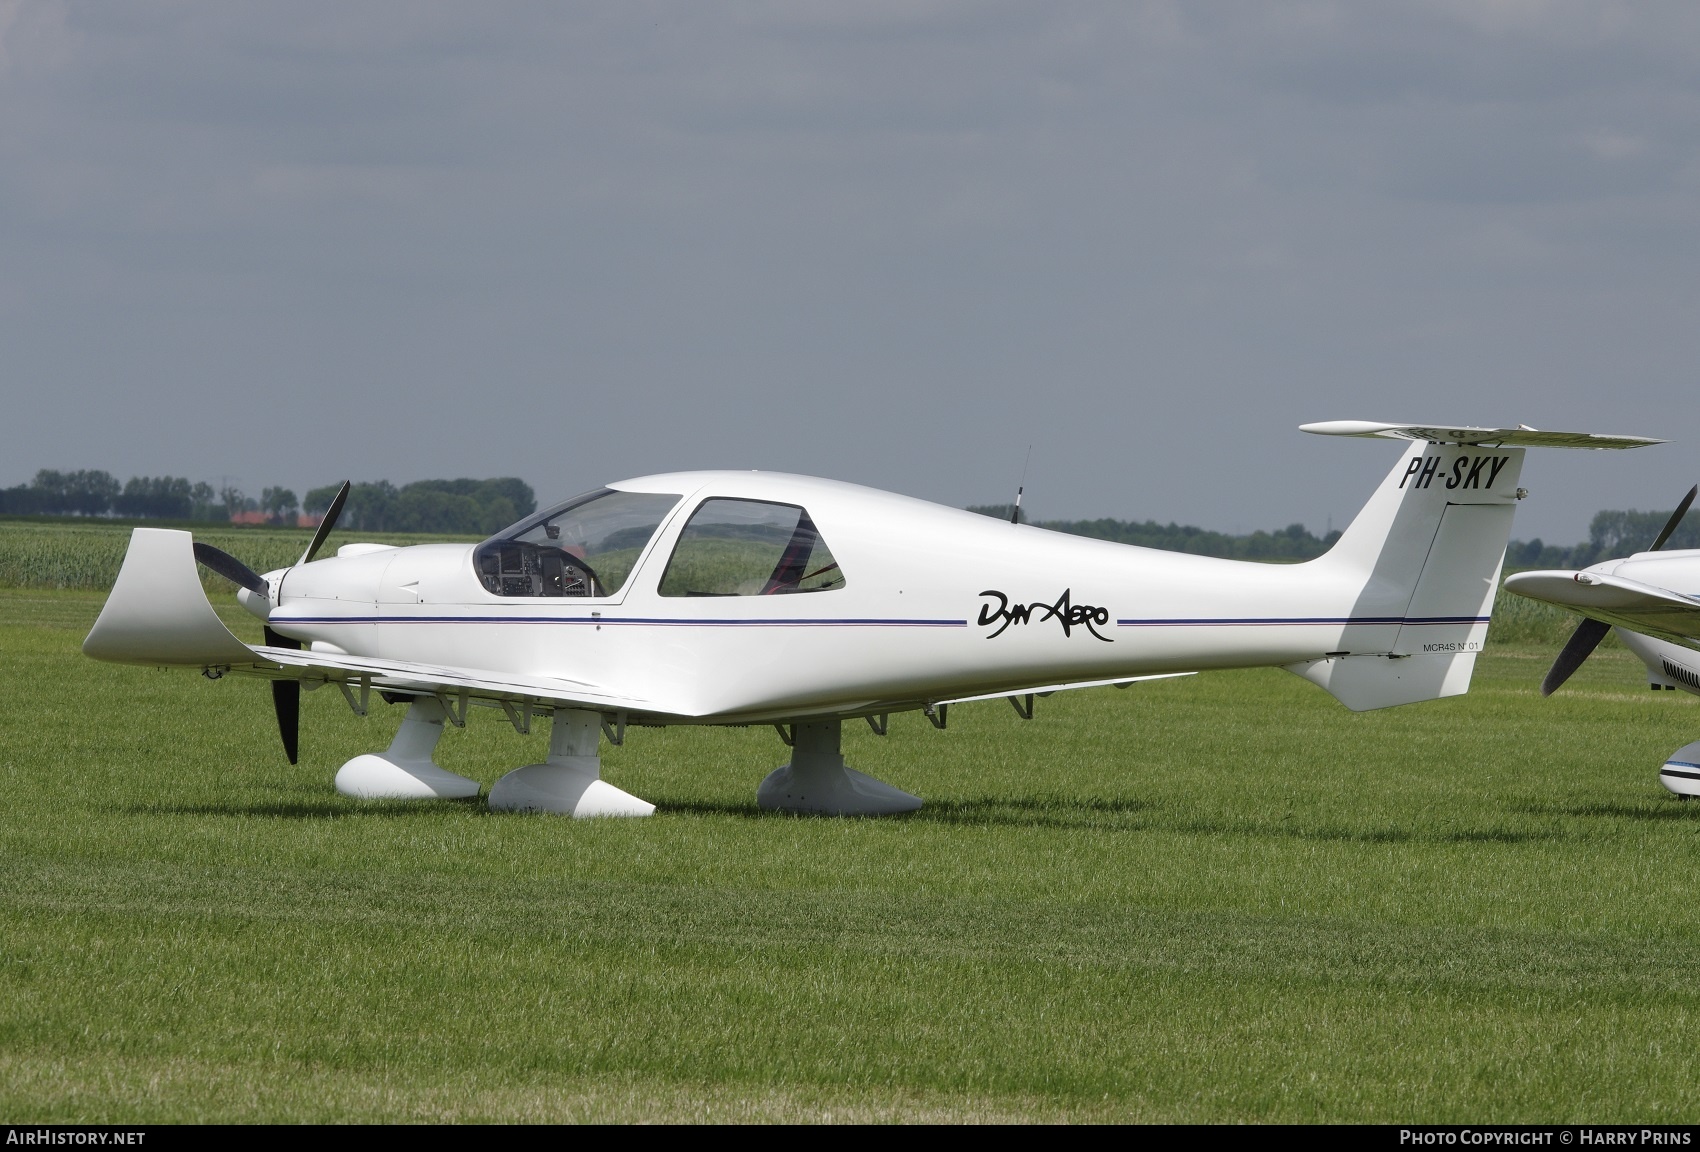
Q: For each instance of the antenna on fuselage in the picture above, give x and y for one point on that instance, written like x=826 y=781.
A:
x=1015 y=512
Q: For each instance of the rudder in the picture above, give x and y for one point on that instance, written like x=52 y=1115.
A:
x=1425 y=555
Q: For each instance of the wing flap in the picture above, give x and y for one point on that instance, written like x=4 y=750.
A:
x=1047 y=689
x=1614 y=600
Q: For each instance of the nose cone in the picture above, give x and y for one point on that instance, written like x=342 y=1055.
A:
x=261 y=606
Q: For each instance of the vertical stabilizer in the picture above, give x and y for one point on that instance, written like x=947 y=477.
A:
x=1424 y=554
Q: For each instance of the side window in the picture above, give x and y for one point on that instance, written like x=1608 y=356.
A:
x=585 y=547
x=750 y=548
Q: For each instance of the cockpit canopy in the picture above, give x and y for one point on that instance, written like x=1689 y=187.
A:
x=585 y=547
x=590 y=545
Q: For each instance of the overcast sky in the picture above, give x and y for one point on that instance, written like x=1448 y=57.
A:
x=892 y=243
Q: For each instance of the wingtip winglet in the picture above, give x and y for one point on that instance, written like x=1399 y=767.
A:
x=157 y=612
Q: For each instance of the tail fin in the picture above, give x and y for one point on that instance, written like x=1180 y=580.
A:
x=1424 y=555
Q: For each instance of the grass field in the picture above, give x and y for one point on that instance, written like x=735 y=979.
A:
x=1220 y=898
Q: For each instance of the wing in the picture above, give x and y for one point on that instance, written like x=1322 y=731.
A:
x=158 y=614
x=1468 y=434
x=434 y=679
x=1614 y=600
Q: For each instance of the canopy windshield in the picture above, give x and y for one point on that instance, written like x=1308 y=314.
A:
x=585 y=547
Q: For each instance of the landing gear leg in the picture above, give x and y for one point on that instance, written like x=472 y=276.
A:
x=817 y=780
x=570 y=781
x=404 y=771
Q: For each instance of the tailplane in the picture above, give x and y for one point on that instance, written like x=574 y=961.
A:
x=1424 y=555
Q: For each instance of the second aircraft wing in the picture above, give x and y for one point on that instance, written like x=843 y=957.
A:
x=1615 y=600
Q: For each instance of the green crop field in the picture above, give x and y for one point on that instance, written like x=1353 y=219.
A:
x=86 y=554
x=1218 y=898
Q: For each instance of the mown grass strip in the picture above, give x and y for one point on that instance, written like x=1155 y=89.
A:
x=1222 y=898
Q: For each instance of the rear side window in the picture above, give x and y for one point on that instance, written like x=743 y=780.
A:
x=750 y=548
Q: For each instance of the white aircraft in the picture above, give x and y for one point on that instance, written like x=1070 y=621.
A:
x=738 y=598
x=1641 y=595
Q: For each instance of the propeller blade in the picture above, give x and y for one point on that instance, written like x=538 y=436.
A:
x=326 y=524
x=1675 y=518
x=232 y=569
x=286 y=701
x=1583 y=641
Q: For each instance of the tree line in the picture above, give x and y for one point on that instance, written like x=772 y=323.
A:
x=1611 y=533
x=462 y=507
x=1294 y=542
x=96 y=493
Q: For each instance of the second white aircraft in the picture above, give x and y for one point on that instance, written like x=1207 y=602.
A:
x=1653 y=600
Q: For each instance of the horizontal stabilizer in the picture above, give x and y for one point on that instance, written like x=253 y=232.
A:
x=1518 y=437
x=1614 y=600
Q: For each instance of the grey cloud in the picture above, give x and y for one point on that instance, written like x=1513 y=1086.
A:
x=892 y=243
